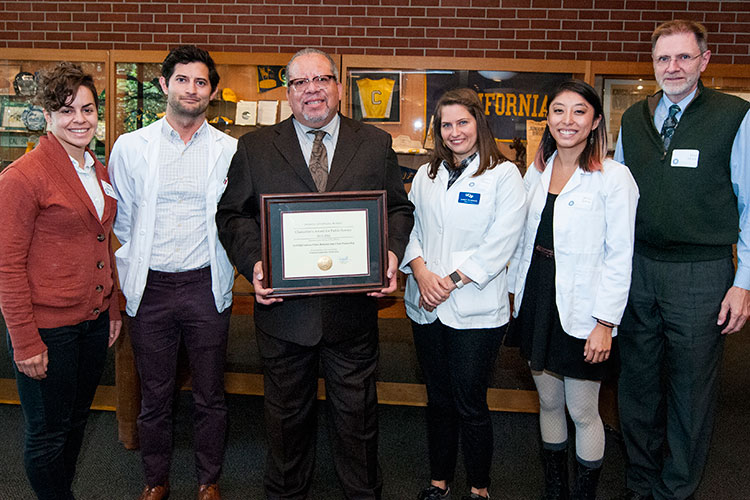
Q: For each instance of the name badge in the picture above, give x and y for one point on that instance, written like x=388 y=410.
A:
x=468 y=198
x=108 y=190
x=582 y=201
x=687 y=158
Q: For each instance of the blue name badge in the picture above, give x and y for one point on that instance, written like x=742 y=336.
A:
x=469 y=198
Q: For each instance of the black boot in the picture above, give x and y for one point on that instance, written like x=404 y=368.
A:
x=587 y=479
x=555 y=464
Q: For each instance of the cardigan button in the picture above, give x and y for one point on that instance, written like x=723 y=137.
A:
x=99 y=288
x=100 y=237
x=100 y=265
x=96 y=311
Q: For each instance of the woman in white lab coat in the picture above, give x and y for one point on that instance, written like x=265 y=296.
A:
x=571 y=275
x=469 y=211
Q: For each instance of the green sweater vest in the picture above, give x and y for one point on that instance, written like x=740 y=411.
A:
x=685 y=214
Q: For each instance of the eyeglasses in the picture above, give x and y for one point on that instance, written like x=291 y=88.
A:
x=319 y=81
x=681 y=59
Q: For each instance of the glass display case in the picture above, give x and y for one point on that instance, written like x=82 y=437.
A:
x=399 y=95
x=252 y=91
x=623 y=84
x=21 y=120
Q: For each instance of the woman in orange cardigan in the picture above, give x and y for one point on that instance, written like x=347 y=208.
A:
x=57 y=282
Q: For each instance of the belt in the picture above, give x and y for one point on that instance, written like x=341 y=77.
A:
x=544 y=252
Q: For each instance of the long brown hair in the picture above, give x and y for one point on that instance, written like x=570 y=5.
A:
x=489 y=154
x=595 y=151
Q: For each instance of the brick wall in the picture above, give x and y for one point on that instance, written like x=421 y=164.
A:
x=614 y=30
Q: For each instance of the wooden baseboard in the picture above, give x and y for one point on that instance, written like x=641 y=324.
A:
x=105 y=398
x=251 y=384
x=396 y=393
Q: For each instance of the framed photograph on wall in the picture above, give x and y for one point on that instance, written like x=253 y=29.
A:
x=376 y=96
x=619 y=95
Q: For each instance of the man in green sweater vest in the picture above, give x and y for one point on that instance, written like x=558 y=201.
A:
x=688 y=148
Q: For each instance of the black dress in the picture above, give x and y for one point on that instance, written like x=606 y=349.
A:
x=544 y=343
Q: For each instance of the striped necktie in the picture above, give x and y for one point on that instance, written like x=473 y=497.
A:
x=667 y=130
x=319 y=160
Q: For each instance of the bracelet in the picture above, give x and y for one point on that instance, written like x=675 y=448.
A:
x=604 y=323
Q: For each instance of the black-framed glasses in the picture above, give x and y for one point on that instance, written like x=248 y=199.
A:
x=319 y=81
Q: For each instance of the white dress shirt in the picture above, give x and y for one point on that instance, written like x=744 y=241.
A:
x=87 y=174
x=180 y=234
x=329 y=140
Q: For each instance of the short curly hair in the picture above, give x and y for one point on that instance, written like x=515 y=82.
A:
x=59 y=86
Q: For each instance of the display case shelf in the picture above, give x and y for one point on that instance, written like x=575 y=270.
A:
x=19 y=116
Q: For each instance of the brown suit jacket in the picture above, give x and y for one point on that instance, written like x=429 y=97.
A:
x=270 y=161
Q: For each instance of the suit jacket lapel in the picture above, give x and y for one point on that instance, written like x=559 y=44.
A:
x=346 y=147
x=288 y=145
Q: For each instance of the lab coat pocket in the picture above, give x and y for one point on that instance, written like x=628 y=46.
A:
x=472 y=302
x=586 y=281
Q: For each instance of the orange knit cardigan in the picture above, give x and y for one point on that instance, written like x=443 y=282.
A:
x=56 y=261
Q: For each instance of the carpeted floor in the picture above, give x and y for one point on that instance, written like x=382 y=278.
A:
x=108 y=471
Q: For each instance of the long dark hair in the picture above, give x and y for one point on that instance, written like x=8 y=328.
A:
x=595 y=151
x=489 y=154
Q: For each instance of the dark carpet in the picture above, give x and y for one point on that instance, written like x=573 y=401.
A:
x=108 y=471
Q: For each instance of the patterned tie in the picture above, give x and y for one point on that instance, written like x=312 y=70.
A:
x=667 y=130
x=319 y=161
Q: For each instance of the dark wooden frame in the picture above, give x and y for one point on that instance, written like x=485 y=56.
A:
x=274 y=205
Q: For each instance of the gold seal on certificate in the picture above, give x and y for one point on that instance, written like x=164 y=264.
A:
x=325 y=263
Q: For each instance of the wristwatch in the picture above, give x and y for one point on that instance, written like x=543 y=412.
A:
x=456 y=278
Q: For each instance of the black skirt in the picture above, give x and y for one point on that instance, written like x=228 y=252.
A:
x=543 y=341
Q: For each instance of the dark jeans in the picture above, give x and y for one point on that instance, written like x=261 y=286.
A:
x=55 y=408
x=456 y=366
x=290 y=381
x=180 y=307
x=671 y=350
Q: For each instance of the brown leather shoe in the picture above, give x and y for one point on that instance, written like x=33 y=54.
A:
x=155 y=493
x=209 y=492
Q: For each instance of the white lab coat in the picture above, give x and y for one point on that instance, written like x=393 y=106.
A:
x=593 y=230
x=476 y=238
x=134 y=172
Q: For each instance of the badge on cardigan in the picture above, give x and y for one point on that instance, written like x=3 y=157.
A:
x=108 y=190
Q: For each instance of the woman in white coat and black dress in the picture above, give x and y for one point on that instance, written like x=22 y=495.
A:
x=469 y=211
x=571 y=275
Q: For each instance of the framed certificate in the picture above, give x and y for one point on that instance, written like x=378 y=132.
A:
x=317 y=243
